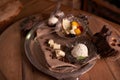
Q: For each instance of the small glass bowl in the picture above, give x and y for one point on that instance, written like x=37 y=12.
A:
x=81 y=20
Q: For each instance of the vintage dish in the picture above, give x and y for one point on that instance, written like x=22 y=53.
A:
x=33 y=53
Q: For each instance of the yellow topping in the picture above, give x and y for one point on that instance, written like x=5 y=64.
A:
x=77 y=31
x=74 y=23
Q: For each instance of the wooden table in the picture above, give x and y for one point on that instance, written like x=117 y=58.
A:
x=15 y=65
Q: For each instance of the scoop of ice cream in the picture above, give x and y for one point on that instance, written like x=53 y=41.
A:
x=80 y=50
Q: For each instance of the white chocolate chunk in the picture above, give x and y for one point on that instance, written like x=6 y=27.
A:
x=56 y=46
x=59 y=53
x=80 y=50
x=51 y=42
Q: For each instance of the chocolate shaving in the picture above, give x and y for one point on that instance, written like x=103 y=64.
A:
x=103 y=48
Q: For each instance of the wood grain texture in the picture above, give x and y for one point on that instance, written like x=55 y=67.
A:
x=76 y=4
x=8 y=11
x=10 y=55
x=14 y=63
x=31 y=7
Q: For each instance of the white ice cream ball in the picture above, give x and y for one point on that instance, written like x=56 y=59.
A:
x=80 y=50
x=52 y=20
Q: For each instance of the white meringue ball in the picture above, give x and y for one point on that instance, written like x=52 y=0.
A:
x=80 y=50
x=52 y=20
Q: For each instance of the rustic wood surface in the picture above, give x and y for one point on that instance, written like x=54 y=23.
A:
x=15 y=65
x=8 y=10
x=103 y=8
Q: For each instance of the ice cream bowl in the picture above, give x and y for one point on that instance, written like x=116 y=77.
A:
x=72 y=26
